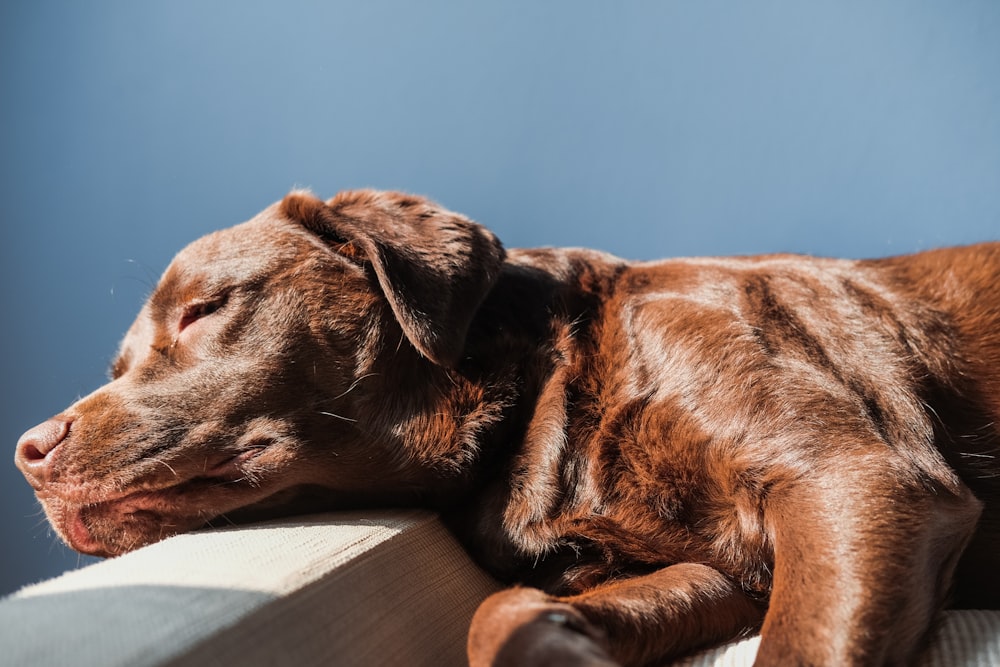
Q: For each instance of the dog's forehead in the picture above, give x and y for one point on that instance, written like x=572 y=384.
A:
x=230 y=257
x=214 y=263
x=237 y=253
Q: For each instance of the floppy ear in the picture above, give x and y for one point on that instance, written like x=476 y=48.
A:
x=435 y=267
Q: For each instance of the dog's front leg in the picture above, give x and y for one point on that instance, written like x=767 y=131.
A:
x=864 y=555
x=635 y=621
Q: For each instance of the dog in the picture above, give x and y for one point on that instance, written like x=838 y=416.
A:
x=657 y=456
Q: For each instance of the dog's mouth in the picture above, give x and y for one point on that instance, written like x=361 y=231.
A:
x=99 y=524
x=113 y=527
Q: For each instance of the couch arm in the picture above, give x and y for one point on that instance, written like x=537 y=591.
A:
x=378 y=588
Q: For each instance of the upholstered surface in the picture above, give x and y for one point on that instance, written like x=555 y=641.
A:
x=967 y=638
x=389 y=588
x=378 y=588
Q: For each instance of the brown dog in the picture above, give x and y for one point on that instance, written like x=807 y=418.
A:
x=676 y=453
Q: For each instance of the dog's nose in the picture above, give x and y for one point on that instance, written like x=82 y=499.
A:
x=35 y=448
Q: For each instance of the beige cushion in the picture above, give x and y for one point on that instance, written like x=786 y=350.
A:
x=379 y=588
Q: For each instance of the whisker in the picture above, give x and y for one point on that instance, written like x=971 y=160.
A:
x=331 y=414
x=354 y=385
x=151 y=278
x=164 y=463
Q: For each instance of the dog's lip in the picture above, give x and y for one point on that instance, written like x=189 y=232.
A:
x=78 y=535
x=79 y=505
x=93 y=492
x=232 y=464
x=152 y=502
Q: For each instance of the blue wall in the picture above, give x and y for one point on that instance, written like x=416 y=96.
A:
x=646 y=128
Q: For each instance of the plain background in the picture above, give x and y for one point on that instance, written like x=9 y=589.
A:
x=647 y=129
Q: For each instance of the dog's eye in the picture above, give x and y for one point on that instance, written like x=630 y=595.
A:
x=196 y=311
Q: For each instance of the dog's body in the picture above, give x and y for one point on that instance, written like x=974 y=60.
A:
x=675 y=453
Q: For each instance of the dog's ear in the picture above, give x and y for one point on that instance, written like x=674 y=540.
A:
x=435 y=267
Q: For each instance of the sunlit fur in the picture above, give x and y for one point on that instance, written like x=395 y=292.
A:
x=663 y=455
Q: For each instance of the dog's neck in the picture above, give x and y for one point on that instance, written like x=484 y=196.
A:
x=464 y=427
x=524 y=351
x=529 y=331
x=456 y=422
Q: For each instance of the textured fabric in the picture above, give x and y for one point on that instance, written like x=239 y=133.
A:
x=734 y=654
x=339 y=589
x=967 y=638
x=408 y=602
x=352 y=589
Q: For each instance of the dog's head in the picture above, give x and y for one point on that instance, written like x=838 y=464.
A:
x=257 y=368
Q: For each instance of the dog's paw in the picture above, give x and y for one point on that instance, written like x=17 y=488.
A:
x=558 y=638
x=525 y=627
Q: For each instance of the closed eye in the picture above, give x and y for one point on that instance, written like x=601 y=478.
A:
x=198 y=310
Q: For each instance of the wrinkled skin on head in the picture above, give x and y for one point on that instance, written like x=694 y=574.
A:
x=252 y=375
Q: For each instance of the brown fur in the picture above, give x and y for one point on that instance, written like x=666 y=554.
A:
x=663 y=455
